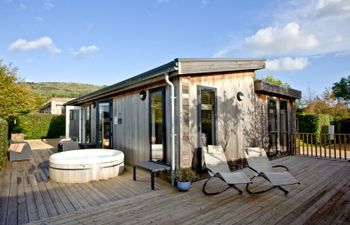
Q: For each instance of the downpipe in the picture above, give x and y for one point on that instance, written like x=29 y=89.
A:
x=172 y=99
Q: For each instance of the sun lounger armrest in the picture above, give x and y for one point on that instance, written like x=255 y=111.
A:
x=281 y=166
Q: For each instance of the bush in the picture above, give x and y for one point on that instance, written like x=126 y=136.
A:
x=3 y=141
x=38 y=125
x=315 y=124
x=185 y=175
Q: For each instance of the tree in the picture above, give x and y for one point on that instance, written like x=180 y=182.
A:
x=341 y=89
x=327 y=104
x=271 y=79
x=15 y=97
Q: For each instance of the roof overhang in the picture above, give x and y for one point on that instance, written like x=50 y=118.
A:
x=210 y=65
x=263 y=87
x=177 y=67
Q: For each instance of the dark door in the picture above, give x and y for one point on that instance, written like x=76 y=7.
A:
x=104 y=124
x=157 y=125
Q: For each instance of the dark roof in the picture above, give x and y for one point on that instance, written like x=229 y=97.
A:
x=178 y=66
x=264 y=87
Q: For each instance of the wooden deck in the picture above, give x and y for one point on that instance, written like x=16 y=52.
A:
x=28 y=196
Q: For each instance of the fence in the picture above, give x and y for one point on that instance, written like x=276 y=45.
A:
x=335 y=146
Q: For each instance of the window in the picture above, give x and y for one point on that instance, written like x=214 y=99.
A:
x=87 y=117
x=272 y=122
x=283 y=125
x=207 y=114
x=157 y=125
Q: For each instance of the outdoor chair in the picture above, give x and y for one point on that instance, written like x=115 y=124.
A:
x=216 y=163
x=19 y=151
x=67 y=144
x=261 y=166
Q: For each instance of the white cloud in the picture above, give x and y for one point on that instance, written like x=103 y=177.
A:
x=41 y=43
x=326 y=8
x=287 y=64
x=298 y=28
x=327 y=20
x=49 y=4
x=223 y=52
x=84 y=51
x=274 y=40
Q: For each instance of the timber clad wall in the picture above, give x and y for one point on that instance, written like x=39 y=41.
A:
x=187 y=147
x=235 y=118
x=132 y=135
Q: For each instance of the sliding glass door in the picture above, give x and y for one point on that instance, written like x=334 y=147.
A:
x=104 y=124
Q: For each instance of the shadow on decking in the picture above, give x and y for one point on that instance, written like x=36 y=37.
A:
x=26 y=195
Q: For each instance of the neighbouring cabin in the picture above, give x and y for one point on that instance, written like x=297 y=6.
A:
x=217 y=101
x=54 y=106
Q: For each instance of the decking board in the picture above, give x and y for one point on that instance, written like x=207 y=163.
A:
x=28 y=195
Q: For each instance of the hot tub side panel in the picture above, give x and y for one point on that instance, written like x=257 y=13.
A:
x=85 y=173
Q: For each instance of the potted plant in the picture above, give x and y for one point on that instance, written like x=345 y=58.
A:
x=184 y=176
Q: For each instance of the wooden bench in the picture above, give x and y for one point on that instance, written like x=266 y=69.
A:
x=151 y=167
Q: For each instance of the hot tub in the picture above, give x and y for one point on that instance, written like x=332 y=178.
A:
x=81 y=166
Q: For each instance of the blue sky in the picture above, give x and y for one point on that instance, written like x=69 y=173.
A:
x=306 y=43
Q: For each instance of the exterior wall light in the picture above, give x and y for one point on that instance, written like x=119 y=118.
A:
x=240 y=96
x=142 y=95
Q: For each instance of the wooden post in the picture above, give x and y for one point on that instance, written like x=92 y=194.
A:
x=299 y=147
x=303 y=143
x=316 y=143
x=330 y=146
x=307 y=144
x=339 y=143
x=312 y=147
x=324 y=145
x=335 y=146
x=345 y=141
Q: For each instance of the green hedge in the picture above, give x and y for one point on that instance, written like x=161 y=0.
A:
x=3 y=141
x=315 y=124
x=38 y=125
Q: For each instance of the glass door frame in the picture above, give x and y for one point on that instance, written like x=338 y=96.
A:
x=273 y=131
x=199 y=116
x=284 y=134
x=68 y=108
x=110 y=102
x=150 y=92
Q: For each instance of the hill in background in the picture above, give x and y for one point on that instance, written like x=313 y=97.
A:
x=48 y=90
